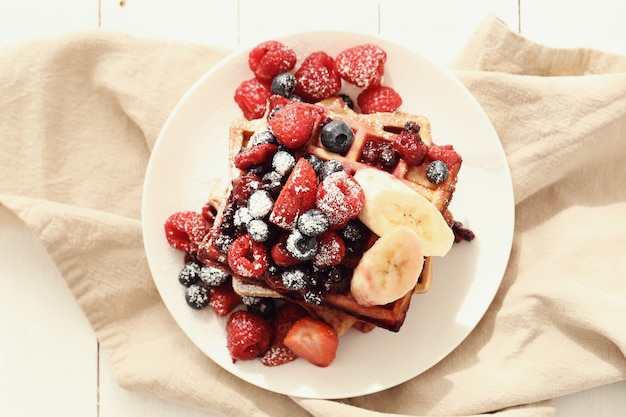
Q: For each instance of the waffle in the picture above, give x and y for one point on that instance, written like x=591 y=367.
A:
x=341 y=310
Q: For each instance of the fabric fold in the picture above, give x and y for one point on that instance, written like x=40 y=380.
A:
x=79 y=115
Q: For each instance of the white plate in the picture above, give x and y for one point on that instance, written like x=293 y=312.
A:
x=192 y=149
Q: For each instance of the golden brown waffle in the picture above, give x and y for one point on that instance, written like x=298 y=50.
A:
x=342 y=310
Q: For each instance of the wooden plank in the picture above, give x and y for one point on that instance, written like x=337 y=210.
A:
x=48 y=353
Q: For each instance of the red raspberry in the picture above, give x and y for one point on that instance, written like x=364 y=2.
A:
x=251 y=96
x=185 y=230
x=255 y=155
x=223 y=299
x=248 y=335
x=341 y=198
x=280 y=254
x=270 y=58
x=379 y=99
x=316 y=79
x=247 y=257
x=293 y=124
x=445 y=153
x=331 y=249
x=297 y=196
x=411 y=147
x=286 y=315
x=362 y=65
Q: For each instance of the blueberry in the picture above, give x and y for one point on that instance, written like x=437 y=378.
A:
x=262 y=137
x=437 y=172
x=315 y=161
x=197 y=296
x=337 y=136
x=313 y=222
x=241 y=218
x=353 y=231
x=284 y=84
x=260 y=305
x=294 y=279
x=329 y=167
x=189 y=274
x=272 y=182
x=283 y=162
x=337 y=279
x=301 y=246
x=258 y=230
x=213 y=276
x=313 y=296
x=260 y=204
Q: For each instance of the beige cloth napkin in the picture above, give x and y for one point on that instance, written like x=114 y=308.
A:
x=79 y=115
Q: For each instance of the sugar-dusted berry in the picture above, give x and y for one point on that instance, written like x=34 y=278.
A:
x=223 y=299
x=341 y=198
x=255 y=155
x=279 y=253
x=445 y=153
x=297 y=196
x=316 y=79
x=293 y=124
x=270 y=58
x=185 y=230
x=331 y=249
x=437 y=171
x=251 y=96
x=197 y=296
x=213 y=276
x=410 y=146
x=242 y=188
x=362 y=65
x=313 y=222
x=379 y=99
x=189 y=273
x=248 y=335
x=301 y=246
x=247 y=257
x=284 y=84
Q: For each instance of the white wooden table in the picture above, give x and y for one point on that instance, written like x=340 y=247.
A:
x=50 y=363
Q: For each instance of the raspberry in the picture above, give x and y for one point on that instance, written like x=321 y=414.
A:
x=331 y=249
x=445 y=153
x=362 y=65
x=255 y=155
x=247 y=257
x=243 y=187
x=379 y=99
x=411 y=147
x=293 y=124
x=185 y=230
x=270 y=58
x=248 y=335
x=251 y=96
x=316 y=79
x=341 y=198
x=223 y=299
x=297 y=196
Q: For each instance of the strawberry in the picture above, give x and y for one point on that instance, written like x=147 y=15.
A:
x=286 y=315
x=379 y=99
x=362 y=65
x=185 y=230
x=316 y=79
x=331 y=249
x=247 y=257
x=445 y=153
x=293 y=124
x=297 y=196
x=270 y=58
x=251 y=96
x=341 y=198
x=255 y=155
x=248 y=335
x=223 y=299
x=313 y=340
x=243 y=187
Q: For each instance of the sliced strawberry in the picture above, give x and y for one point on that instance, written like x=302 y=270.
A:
x=293 y=124
x=255 y=155
x=286 y=315
x=223 y=299
x=248 y=335
x=341 y=198
x=313 y=340
x=297 y=196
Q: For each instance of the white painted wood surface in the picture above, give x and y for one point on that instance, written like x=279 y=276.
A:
x=50 y=364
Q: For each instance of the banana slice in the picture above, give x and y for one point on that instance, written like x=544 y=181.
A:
x=390 y=203
x=389 y=269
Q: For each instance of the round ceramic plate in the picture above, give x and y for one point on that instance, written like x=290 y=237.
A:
x=192 y=150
